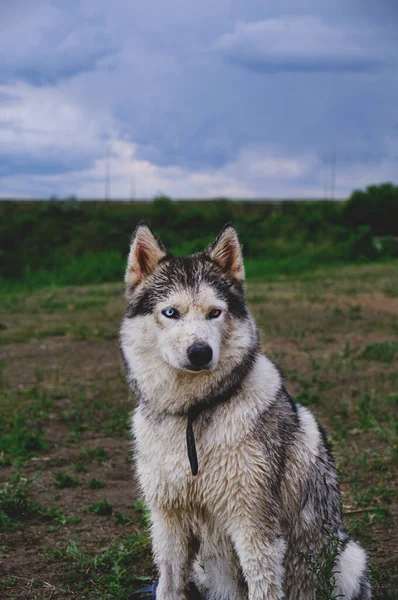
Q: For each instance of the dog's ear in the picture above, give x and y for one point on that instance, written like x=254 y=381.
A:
x=145 y=253
x=226 y=251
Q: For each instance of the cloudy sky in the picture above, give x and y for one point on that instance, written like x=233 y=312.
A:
x=237 y=98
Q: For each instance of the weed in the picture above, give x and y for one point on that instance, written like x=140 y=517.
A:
x=15 y=502
x=323 y=566
x=129 y=458
x=61 y=520
x=2 y=365
x=98 y=454
x=110 y=572
x=355 y=312
x=122 y=519
x=307 y=398
x=17 y=505
x=391 y=289
x=144 y=515
x=64 y=480
x=383 y=351
x=79 y=468
x=365 y=412
x=96 y=484
x=20 y=439
x=101 y=508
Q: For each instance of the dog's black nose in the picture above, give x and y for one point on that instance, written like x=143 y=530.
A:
x=200 y=354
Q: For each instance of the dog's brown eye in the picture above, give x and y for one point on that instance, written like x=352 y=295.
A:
x=213 y=314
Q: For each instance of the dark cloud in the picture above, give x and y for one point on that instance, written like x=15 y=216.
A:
x=306 y=44
x=191 y=85
x=41 y=165
x=50 y=43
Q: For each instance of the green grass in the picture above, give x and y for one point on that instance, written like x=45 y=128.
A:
x=103 y=508
x=87 y=269
x=98 y=454
x=108 y=574
x=65 y=409
x=20 y=440
x=96 y=484
x=17 y=506
x=64 y=480
x=323 y=566
x=109 y=266
x=383 y=351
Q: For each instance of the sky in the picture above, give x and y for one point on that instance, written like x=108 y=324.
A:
x=227 y=98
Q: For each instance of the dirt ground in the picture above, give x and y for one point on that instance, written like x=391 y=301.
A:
x=71 y=521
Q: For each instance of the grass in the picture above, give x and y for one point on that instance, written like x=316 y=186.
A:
x=96 y=484
x=108 y=266
x=17 y=506
x=19 y=440
x=64 y=480
x=383 y=351
x=98 y=454
x=323 y=566
x=65 y=413
x=101 y=508
x=110 y=572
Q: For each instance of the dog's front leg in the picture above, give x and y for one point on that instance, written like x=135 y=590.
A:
x=173 y=554
x=261 y=554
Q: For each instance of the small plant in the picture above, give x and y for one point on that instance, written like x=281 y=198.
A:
x=111 y=571
x=98 y=454
x=16 y=505
x=307 y=398
x=20 y=440
x=122 y=519
x=80 y=468
x=323 y=566
x=64 y=480
x=96 y=484
x=102 y=508
x=365 y=412
x=143 y=511
x=383 y=351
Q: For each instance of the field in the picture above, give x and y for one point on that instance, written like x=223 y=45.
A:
x=71 y=521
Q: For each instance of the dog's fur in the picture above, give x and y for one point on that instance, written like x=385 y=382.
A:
x=266 y=492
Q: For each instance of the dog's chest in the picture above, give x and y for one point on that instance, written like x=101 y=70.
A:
x=164 y=470
x=162 y=461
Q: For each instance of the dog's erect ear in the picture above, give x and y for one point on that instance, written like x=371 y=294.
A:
x=145 y=253
x=226 y=251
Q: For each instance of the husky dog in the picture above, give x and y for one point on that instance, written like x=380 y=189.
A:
x=238 y=478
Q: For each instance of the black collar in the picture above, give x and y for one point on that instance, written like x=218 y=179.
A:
x=232 y=386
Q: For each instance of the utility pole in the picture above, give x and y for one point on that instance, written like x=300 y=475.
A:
x=325 y=177
x=333 y=175
x=132 y=183
x=107 y=173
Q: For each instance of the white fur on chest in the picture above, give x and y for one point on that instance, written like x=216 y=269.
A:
x=224 y=446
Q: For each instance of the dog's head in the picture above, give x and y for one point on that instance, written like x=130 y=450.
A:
x=187 y=307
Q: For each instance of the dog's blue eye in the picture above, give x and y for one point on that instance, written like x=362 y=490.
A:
x=171 y=313
x=214 y=314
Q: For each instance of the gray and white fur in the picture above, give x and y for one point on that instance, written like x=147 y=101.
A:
x=266 y=492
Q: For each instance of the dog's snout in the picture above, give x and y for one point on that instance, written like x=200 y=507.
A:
x=200 y=354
